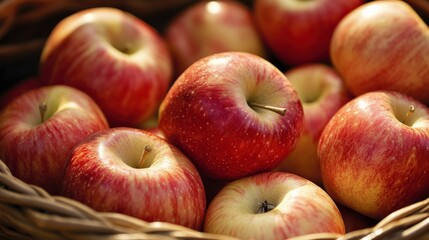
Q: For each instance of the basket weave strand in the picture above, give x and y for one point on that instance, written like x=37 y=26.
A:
x=29 y=212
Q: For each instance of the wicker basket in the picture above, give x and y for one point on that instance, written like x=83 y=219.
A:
x=29 y=212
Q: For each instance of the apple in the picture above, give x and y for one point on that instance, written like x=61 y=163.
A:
x=297 y=31
x=134 y=172
x=322 y=93
x=374 y=153
x=116 y=58
x=18 y=89
x=233 y=114
x=383 y=45
x=272 y=205
x=209 y=27
x=39 y=128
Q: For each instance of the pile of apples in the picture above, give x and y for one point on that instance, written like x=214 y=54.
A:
x=267 y=121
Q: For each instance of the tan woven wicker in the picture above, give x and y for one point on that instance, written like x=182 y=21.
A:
x=29 y=212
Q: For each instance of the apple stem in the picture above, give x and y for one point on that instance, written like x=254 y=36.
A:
x=146 y=149
x=265 y=207
x=279 y=110
x=410 y=112
x=42 y=109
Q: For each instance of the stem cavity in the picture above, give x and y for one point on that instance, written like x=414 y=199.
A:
x=279 y=110
x=147 y=149
x=42 y=110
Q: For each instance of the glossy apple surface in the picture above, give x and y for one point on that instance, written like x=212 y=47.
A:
x=113 y=56
x=35 y=144
x=300 y=31
x=383 y=45
x=210 y=113
x=208 y=27
x=374 y=153
x=134 y=172
x=322 y=93
x=274 y=205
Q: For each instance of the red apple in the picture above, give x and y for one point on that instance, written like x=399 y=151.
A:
x=39 y=128
x=233 y=114
x=209 y=27
x=115 y=57
x=374 y=153
x=274 y=205
x=16 y=90
x=299 y=31
x=322 y=93
x=137 y=173
x=383 y=45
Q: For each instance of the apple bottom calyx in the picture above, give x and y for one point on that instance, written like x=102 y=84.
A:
x=265 y=206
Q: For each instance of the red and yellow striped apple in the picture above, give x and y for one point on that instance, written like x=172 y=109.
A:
x=272 y=205
x=113 y=56
x=383 y=45
x=134 y=172
x=374 y=153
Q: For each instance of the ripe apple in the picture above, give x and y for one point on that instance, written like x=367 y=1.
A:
x=272 y=205
x=134 y=172
x=322 y=93
x=39 y=128
x=383 y=45
x=374 y=153
x=16 y=90
x=233 y=114
x=300 y=32
x=209 y=27
x=113 y=56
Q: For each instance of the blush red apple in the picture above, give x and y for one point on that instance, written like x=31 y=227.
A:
x=234 y=114
x=208 y=27
x=39 y=128
x=298 y=31
x=118 y=59
x=134 y=172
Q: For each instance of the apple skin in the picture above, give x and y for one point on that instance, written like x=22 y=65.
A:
x=113 y=56
x=383 y=45
x=299 y=32
x=103 y=173
x=370 y=161
x=322 y=93
x=18 y=89
x=300 y=207
x=206 y=113
x=209 y=27
x=35 y=151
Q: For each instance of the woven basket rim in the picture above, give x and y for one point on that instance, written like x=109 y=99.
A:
x=29 y=212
